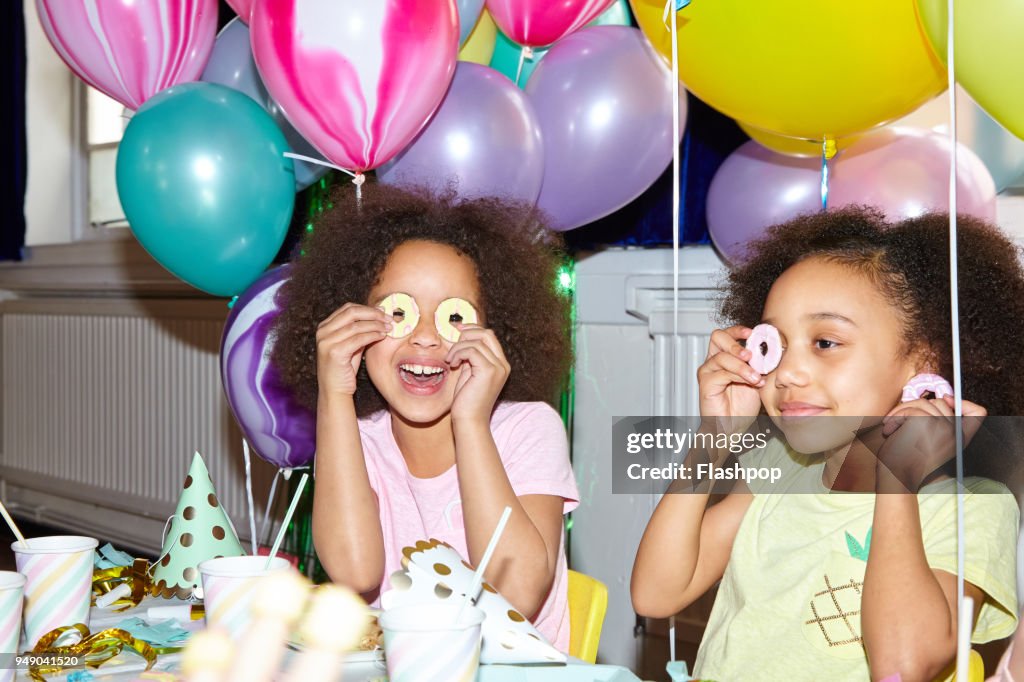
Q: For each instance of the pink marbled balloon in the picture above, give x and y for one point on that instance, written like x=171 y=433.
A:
x=129 y=49
x=541 y=22
x=243 y=8
x=358 y=79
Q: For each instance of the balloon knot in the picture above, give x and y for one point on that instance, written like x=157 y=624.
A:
x=829 y=148
x=358 y=179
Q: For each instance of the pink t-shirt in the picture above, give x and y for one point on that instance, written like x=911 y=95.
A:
x=531 y=442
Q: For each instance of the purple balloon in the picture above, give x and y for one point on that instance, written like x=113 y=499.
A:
x=754 y=188
x=484 y=137
x=603 y=98
x=278 y=428
x=905 y=172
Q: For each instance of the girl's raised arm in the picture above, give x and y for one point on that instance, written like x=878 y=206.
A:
x=346 y=517
x=686 y=546
x=524 y=563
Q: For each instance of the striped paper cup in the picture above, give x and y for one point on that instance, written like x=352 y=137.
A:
x=58 y=582
x=424 y=643
x=229 y=586
x=12 y=594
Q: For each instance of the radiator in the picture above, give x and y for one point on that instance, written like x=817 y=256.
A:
x=103 y=403
x=630 y=361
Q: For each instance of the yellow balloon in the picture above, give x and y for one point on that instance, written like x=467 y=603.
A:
x=989 y=53
x=801 y=68
x=479 y=46
x=791 y=146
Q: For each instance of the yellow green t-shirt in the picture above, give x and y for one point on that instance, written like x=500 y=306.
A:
x=788 y=607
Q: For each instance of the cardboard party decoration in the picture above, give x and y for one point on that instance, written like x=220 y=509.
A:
x=199 y=530
x=434 y=572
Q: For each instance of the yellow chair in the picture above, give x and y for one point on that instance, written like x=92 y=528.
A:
x=588 y=601
x=975 y=670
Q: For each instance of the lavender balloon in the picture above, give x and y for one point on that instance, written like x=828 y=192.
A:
x=278 y=428
x=754 y=188
x=484 y=137
x=231 y=64
x=469 y=14
x=603 y=98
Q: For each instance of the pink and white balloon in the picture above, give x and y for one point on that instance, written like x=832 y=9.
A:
x=358 y=79
x=131 y=50
x=541 y=22
x=243 y=8
x=603 y=99
x=484 y=138
x=904 y=172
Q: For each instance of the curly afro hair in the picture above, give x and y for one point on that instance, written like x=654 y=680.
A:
x=909 y=262
x=516 y=262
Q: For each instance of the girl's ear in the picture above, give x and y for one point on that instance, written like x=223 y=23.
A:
x=923 y=361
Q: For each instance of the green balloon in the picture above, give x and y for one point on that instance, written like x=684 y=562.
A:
x=205 y=185
x=507 y=53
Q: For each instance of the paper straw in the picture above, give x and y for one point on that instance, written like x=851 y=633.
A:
x=248 y=495
x=287 y=519
x=478 y=577
x=13 y=526
x=963 y=639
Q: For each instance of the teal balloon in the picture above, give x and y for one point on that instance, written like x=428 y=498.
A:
x=205 y=185
x=507 y=53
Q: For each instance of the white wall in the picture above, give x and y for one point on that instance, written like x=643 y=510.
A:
x=49 y=204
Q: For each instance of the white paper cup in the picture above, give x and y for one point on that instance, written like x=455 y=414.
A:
x=425 y=644
x=229 y=588
x=12 y=594
x=58 y=582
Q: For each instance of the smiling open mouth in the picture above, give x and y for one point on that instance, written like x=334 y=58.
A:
x=421 y=376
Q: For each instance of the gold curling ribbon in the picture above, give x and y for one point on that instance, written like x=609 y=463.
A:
x=135 y=576
x=92 y=650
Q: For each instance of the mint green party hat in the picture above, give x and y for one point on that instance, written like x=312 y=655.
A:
x=200 y=530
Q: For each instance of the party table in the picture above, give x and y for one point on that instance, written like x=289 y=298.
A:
x=360 y=667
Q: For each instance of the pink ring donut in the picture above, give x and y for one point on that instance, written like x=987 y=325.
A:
x=921 y=384
x=765 y=346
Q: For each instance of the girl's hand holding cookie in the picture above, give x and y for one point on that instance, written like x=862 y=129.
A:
x=727 y=383
x=340 y=340
x=484 y=372
x=920 y=437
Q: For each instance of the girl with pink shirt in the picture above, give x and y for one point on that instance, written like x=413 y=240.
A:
x=430 y=337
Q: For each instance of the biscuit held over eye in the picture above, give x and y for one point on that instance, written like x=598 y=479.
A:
x=404 y=312
x=450 y=311
x=765 y=346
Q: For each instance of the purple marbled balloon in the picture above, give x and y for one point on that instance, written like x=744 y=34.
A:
x=278 y=428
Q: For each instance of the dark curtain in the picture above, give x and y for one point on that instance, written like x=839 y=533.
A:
x=708 y=139
x=12 y=230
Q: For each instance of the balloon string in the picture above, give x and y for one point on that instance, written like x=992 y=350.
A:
x=675 y=176
x=248 y=494
x=270 y=504
x=954 y=304
x=358 y=178
x=828 y=150
x=525 y=53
